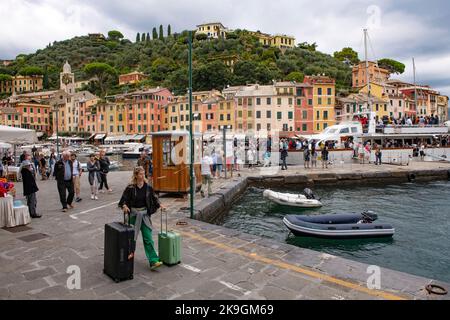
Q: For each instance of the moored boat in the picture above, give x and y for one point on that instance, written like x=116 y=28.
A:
x=339 y=226
x=294 y=200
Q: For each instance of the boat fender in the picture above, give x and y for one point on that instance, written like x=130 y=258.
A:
x=411 y=177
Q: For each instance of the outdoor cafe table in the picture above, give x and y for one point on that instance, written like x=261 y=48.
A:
x=11 y=215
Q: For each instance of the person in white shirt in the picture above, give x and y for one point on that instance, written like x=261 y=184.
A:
x=409 y=122
x=76 y=176
x=206 y=174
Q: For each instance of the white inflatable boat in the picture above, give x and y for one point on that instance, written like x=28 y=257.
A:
x=294 y=200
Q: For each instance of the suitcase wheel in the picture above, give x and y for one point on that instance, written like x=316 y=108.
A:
x=131 y=277
x=116 y=280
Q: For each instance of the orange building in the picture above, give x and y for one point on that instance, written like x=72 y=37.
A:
x=376 y=74
x=131 y=78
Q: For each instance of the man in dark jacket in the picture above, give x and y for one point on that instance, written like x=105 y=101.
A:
x=64 y=173
x=29 y=188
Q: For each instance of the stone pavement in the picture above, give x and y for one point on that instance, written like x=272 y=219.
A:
x=217 y=263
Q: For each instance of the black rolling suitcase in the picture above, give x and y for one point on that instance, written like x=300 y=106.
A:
x=119 y=251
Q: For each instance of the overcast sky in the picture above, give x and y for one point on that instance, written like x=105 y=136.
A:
x=399 y=29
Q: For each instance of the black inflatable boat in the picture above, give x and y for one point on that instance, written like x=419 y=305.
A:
x=341 y=226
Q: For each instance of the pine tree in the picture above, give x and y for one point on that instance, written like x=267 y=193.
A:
x=154 y=33
x=45 y=83
x=138 y=37
x=143 y=37
x=161 y=32
x=148 y=37
x=169 y=31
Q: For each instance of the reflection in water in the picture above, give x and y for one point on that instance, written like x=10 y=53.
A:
x=418 y=211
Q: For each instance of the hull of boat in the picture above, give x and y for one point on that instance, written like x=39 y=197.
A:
x=291 y=200
x=337 y=231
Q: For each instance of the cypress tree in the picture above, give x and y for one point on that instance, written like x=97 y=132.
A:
x=138 y=37
x=148 y=37
x=154 y=33
x=169 y=31
x=161 y=32
x=143 y=37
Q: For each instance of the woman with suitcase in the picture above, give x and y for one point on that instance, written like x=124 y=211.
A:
x=140 y=202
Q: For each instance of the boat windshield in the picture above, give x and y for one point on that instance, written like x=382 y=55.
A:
x=330 y=130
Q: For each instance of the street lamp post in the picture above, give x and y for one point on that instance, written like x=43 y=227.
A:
x=55 y=109
x=191 y=165
x=224 y=128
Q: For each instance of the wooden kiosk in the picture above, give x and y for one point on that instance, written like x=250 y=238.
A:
x=171 y=158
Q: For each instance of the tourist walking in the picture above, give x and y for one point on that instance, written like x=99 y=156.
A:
x=76 y=177
x=250 y=158
x=42 y=167
x=144 y=162
x=313 y=155
x=64 y=178
x=104 y=170
x=422 y=151
x=284 y=155
x=140 y=202
x=206 y=174
x=324 y=156
x=378 y=155
x=214 y=162
x=93 y=167
x=361 y=153
x=29 y=187
x=51 y=164
x=22 y=157
x=367 y=151
x=219 y=163
x=306 y=157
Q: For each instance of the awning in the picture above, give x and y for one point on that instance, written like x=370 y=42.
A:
x=139 y=137
x=4 y=145
x=100 y=136
x=17 y=135
x=92 y=136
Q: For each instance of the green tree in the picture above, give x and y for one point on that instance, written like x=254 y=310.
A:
x=392 y=65
x=5 y=77
x=296 y=76
x=143 y=37
x=115 y=35
x=213 y=75
x=148 y=37
x=201 y=36
x=161 y=32
x=101 y=71
x=138 y=37
x=307 y=46
x=30 y=71
x=154 y=33
x=169 y=31
x=45 y=82
x=347 y=54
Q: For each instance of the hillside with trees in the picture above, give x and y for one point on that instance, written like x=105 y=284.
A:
x=162 y=55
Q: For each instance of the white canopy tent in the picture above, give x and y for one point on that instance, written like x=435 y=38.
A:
x=14 y=135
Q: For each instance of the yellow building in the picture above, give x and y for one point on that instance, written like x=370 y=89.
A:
x=280 y=41
x=380 y=104
x=10 y=117
x=283 y=41
x=213 y=30
x=442 y=108
x=323 y=101
x=19 y=84
x=226 y=114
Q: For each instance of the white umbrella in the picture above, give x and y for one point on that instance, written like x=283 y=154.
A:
x=4 y=145
x=16 y=135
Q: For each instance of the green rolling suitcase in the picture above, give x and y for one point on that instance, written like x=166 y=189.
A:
x=169 y=245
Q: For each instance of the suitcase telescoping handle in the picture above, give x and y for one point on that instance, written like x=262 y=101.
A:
x=162 y=220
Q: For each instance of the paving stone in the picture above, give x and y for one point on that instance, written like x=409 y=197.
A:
x=271 y=292
x=137 y=291
x=35 y=274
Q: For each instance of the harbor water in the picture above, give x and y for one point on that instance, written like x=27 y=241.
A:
x=420 y=213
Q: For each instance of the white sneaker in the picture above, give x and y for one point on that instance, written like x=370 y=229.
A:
x=96 y=198
x=92 y=196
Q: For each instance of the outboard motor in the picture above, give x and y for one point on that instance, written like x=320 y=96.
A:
x=309 y=194
x=369 y=216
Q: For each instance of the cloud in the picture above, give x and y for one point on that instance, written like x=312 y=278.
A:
x=398 y=29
